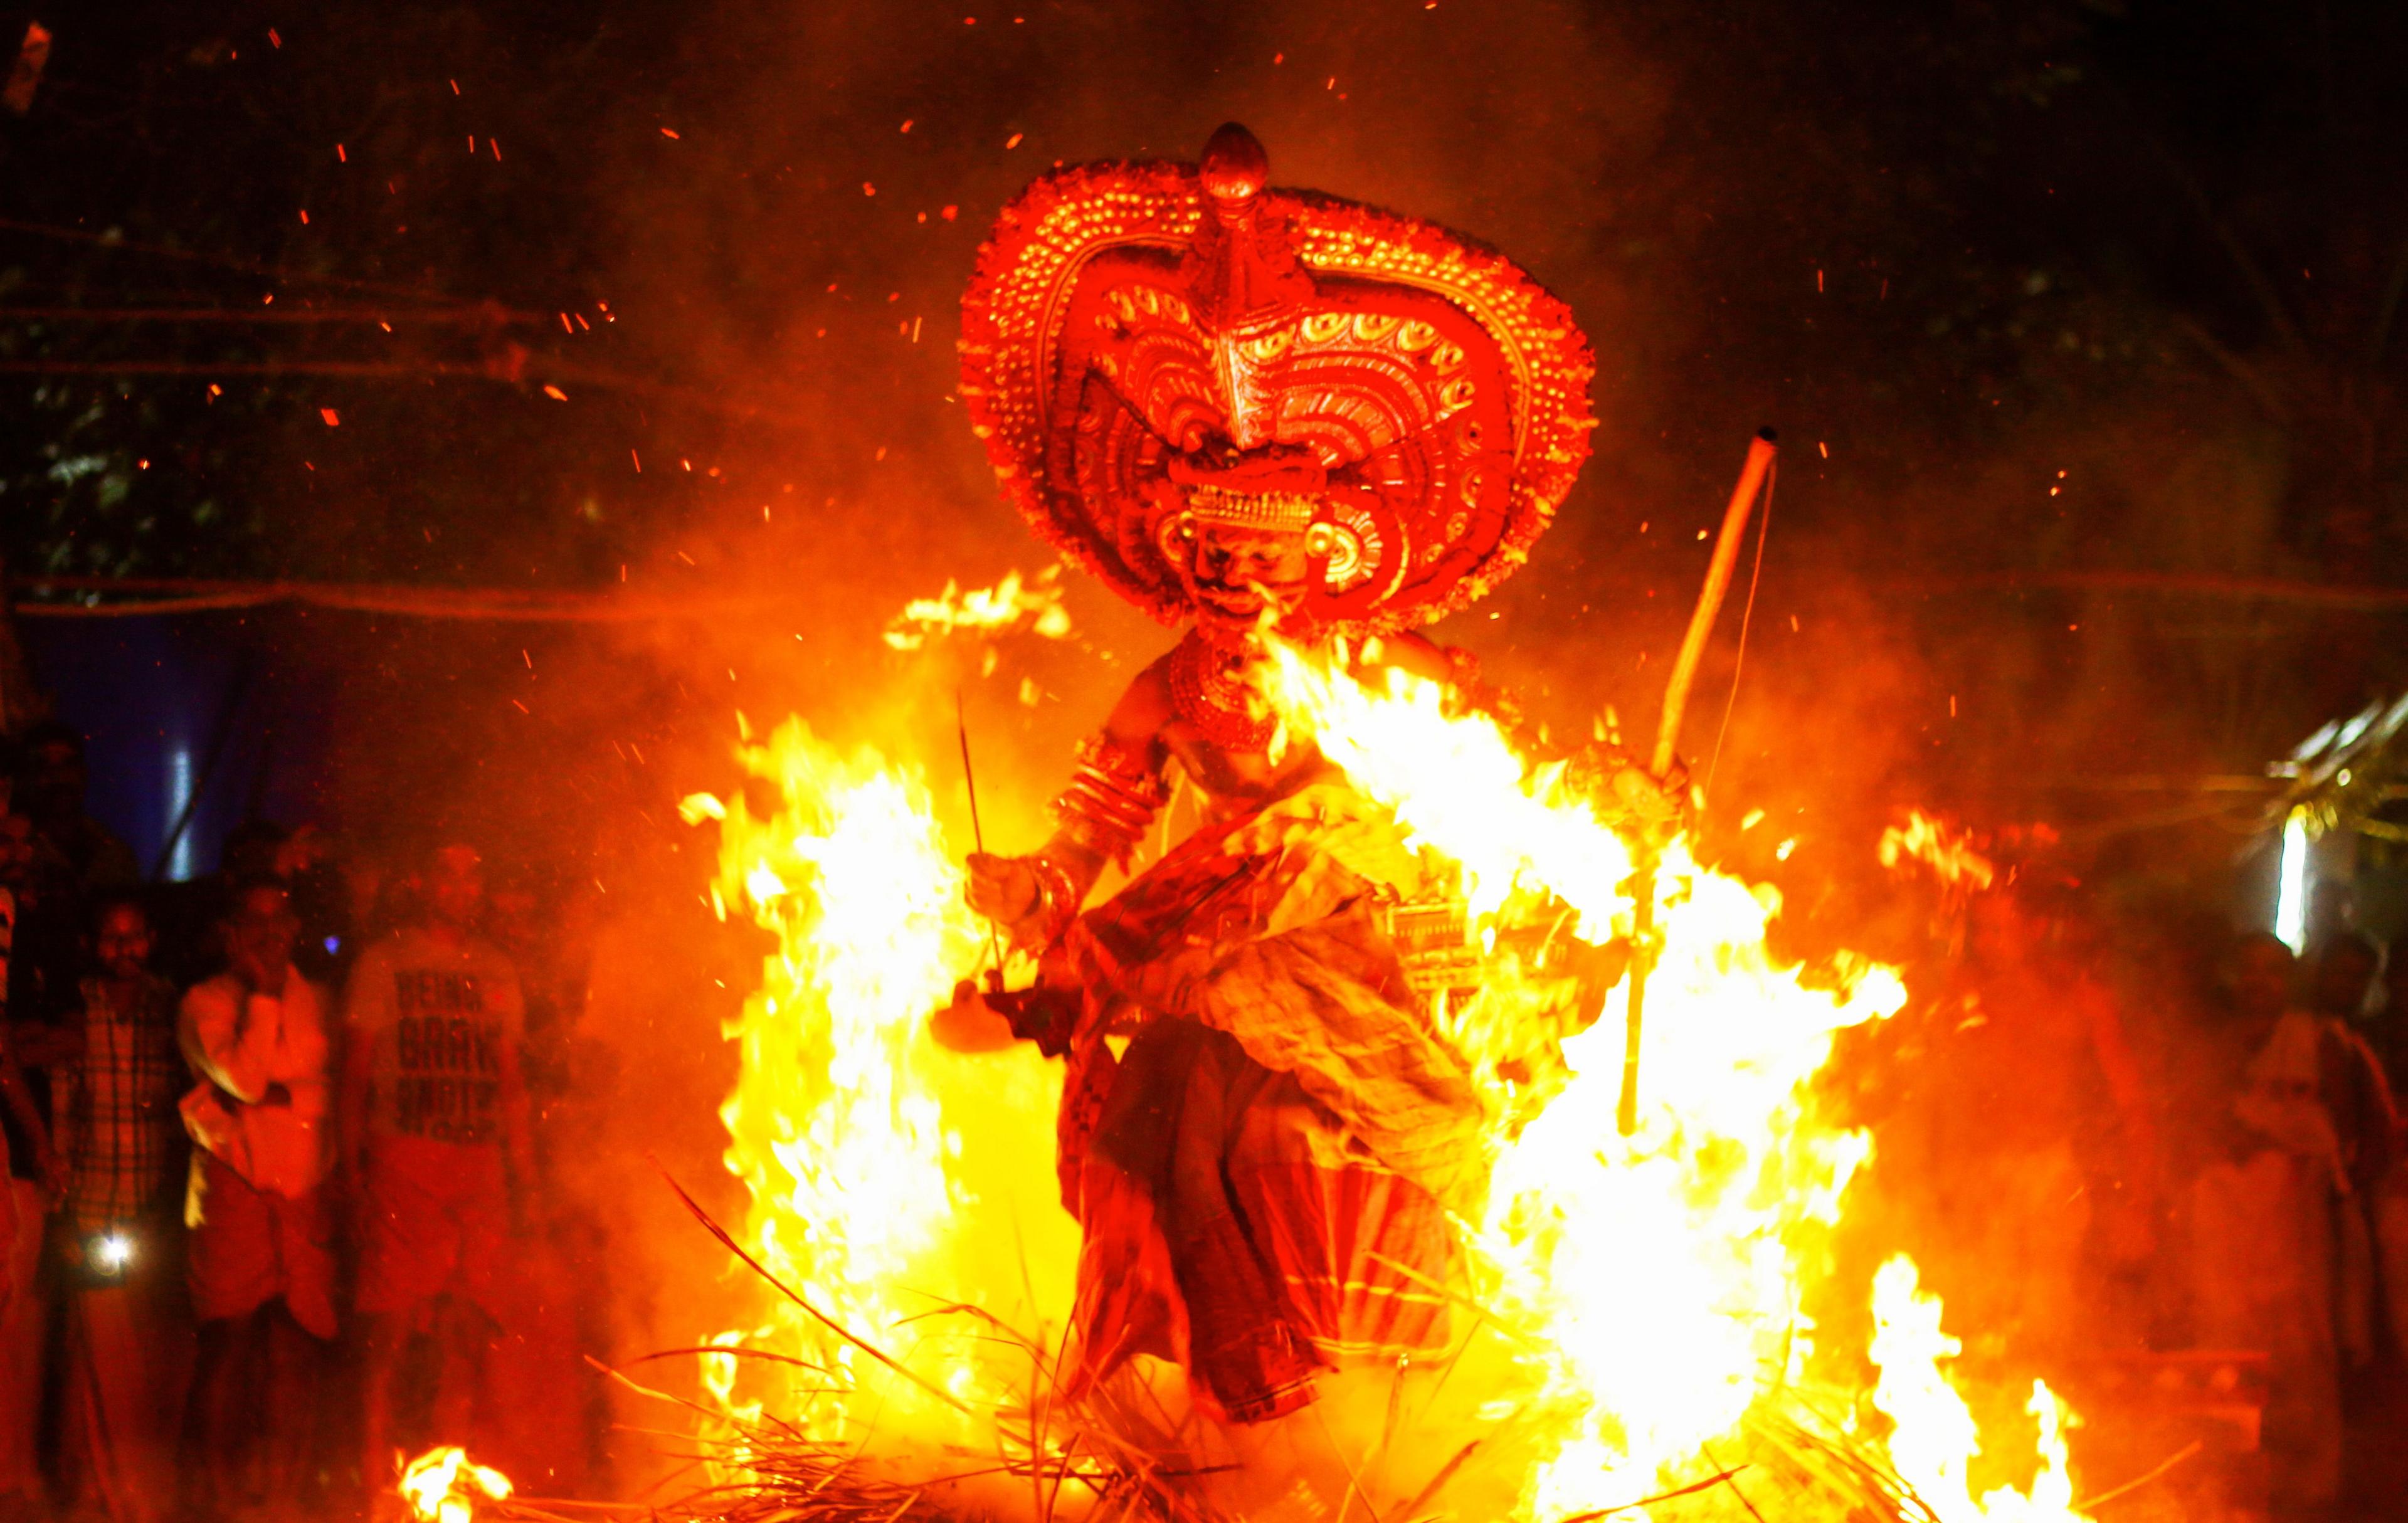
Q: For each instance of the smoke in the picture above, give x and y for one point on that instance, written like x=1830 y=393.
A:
x=786 y=227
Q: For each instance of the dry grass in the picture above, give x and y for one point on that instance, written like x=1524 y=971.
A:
x=1117 y=1455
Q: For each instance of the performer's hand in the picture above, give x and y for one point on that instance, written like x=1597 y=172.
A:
x=1002 y=888
x=969 y=1024
x=1658 y=806
x=1628 y=795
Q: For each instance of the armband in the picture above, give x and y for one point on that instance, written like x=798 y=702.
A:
x=1114 y=794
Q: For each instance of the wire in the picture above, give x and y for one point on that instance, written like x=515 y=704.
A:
x=484 y=316
x=561 y=606
x=512 y=367
x=243 y=266
x=1746 y=616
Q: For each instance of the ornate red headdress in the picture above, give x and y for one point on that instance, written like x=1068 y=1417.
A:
x=1144 y=342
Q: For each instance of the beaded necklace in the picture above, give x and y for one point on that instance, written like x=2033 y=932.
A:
x=1208 y=691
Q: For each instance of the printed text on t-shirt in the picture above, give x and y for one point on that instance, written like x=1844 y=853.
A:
x=446 y=1057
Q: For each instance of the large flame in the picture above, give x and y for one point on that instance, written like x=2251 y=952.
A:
x=890 y=1181
x=1934 y=1438
x=1657 y=1272
x=1651 y=1287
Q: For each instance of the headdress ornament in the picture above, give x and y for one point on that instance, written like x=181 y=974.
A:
x=1145 y=345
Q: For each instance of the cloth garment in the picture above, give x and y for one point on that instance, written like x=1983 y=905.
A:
x=434 y=1218
x=2281 y=1231
x=31 y=956
x=243 y=1044
x=126 y=1360
x=1264 y=1176
x=23 y=1325
x=436 y=1019
x=250 y=1245
x=119 y=1129
x=2391 y=1252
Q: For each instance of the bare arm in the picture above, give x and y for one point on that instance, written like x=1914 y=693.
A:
x=518 y=1122
x=20 y=1101
x=351 y=1102
x=1114 y=792
x=227 y=1042
x=365 y=1001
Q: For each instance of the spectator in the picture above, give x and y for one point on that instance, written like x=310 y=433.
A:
x=437 y=1131
x=2303 y=1127
x=262 y=1266
x=2341 y=977
x=25 y=1138
x=189 y=914
x=52 y=785
x=127 y=1326
x=2390 y=1023
x=321 y=897
x=2391 y=1194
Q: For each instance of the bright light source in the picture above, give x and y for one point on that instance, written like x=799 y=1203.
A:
x=113 y=1250
x=179 y=799
x=2291 y=898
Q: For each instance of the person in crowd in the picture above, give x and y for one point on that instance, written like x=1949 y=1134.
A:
x=2390 y=1021
x=308 y=860
x=2342 y=975
x=437 y=1133
x=127 y=1343
x=33 y=1173
x=2391 y=1042
x=2300 y=1128
x=262 y=1229
x=52 y=785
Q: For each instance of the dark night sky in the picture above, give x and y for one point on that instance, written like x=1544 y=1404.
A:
x=2029 y=288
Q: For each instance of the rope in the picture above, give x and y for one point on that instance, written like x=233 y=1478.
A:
x=118 y=244
x=509 y=604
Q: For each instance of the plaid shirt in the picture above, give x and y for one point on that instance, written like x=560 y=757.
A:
x=121 y=1132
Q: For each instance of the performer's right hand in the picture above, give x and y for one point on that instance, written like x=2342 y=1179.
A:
x=1002 y=888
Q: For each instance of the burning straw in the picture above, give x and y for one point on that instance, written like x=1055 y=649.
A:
x=1119 y=1456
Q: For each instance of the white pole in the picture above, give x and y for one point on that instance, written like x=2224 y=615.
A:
x=2291 y=898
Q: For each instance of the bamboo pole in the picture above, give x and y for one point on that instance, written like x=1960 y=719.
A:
x=1760 y=452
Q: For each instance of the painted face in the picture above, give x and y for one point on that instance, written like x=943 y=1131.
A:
x=1230 y=571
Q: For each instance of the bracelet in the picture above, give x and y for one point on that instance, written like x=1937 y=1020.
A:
x=1058 y=899
x=1113 y=795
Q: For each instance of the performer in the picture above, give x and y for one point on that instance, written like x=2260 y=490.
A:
x=1256 y=413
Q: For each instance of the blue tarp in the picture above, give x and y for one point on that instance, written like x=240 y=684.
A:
x=211 y=711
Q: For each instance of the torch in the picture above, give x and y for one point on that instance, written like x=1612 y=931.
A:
x=1752 y=478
